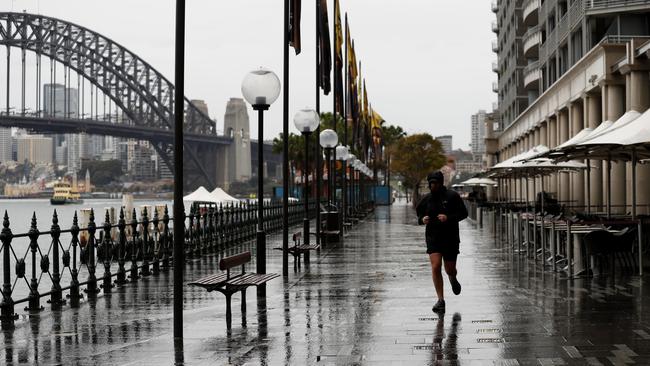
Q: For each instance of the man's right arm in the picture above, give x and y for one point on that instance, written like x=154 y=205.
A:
x=421 y=209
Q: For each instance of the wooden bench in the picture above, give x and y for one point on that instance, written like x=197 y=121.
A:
x=297 y=249
x=228 y=285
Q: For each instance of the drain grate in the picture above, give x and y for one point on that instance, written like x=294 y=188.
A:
x=481 y=321
x=489 y=330
x=427 y=347
x=428 y=318
x=489 y=340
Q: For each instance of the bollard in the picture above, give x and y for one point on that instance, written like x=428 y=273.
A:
x=56 y=294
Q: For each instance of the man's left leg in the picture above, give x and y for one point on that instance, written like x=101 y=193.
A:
x=450 y=268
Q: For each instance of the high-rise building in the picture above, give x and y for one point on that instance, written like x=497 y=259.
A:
x=5 y=145
x=446 y=142
x=34 y=149
x=586 y=66
x=538 y=41
x=478 y=134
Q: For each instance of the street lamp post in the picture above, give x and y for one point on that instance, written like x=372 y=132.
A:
x=342 y=152
x=306 y=121
x=260 y=88
x=352 y=189
x=328 y=141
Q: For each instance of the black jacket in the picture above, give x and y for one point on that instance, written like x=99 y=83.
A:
x=446 y=202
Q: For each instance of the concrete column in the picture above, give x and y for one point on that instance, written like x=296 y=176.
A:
x=543 y=134
x=594 y=118
x=615 y=108
x=562 y=136
x=552 y=142
x=577 y=179
x=640 y=102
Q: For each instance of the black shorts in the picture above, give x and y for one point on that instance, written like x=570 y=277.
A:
x=449 y=251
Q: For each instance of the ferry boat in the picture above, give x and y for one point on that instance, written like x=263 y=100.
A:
x=65 y=194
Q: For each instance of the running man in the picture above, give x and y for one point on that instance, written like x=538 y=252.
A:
x=441 y=211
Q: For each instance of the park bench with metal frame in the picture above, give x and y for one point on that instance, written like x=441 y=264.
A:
x=229 y=285
x=297 y=249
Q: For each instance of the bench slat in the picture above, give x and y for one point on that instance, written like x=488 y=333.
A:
x=210 y=281
x=252 y=279
x=234 y=261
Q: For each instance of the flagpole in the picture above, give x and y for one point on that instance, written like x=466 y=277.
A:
x=319 y=167
x=331 y=174
x=345 y=110
x=285 y=148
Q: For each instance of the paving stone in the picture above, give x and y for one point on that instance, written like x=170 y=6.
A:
x=366 y=301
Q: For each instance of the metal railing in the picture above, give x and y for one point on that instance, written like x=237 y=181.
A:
x=608 y=4
x=51 y=263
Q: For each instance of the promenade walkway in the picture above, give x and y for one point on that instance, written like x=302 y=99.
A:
x=365 y=302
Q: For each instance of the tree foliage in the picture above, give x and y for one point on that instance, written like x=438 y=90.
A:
x=101 y=172
x=415 y=156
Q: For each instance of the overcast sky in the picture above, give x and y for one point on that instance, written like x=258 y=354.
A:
x=427 y=62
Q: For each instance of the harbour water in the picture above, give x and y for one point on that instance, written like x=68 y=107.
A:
x=20 y=211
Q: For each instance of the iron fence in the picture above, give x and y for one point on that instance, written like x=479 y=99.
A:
x=61 y=264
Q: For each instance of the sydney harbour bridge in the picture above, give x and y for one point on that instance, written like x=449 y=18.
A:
x=120 y=94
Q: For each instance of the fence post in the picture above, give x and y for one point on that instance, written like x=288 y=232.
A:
x=7 y=315
x=107 y=245
x=121 y=255
x=75 y=296
x=91 y=287
x=134 y=248
x=165 y=240
x=56 y=296
x=34 y=297
x=145 y=271
x=155 y=240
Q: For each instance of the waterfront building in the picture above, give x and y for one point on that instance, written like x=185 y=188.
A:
x=34 y=149
x=446 y=142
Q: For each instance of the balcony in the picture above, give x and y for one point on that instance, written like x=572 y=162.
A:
x=598 y=6
x=495 y=87
x=495 y=26
x=530 y=12
x=532 y=76
x=495 y=46
x=495 y=67
x=532 y=40
x=495 y=6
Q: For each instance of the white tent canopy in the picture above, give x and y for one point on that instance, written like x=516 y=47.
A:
x=221 y=196
x=200 y=195
x=203 y=195
x=479 y=182
x=616 y=132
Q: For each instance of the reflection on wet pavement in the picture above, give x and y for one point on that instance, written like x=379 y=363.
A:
x=367 y=301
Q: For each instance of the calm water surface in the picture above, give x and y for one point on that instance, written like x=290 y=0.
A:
x=20 y=211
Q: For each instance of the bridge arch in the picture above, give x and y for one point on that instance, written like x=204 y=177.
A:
x=142 y=94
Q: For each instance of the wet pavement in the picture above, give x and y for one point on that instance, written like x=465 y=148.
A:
x=364 y=302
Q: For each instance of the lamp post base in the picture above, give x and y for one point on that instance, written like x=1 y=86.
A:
x=305 y=223
x=261 y=260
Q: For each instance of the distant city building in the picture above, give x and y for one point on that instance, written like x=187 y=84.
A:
x=34 y=149
x=5 y=145
x=478 y=135
x=464 y=162
x=446 y=142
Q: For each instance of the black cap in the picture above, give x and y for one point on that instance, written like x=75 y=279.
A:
x=436 y=177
